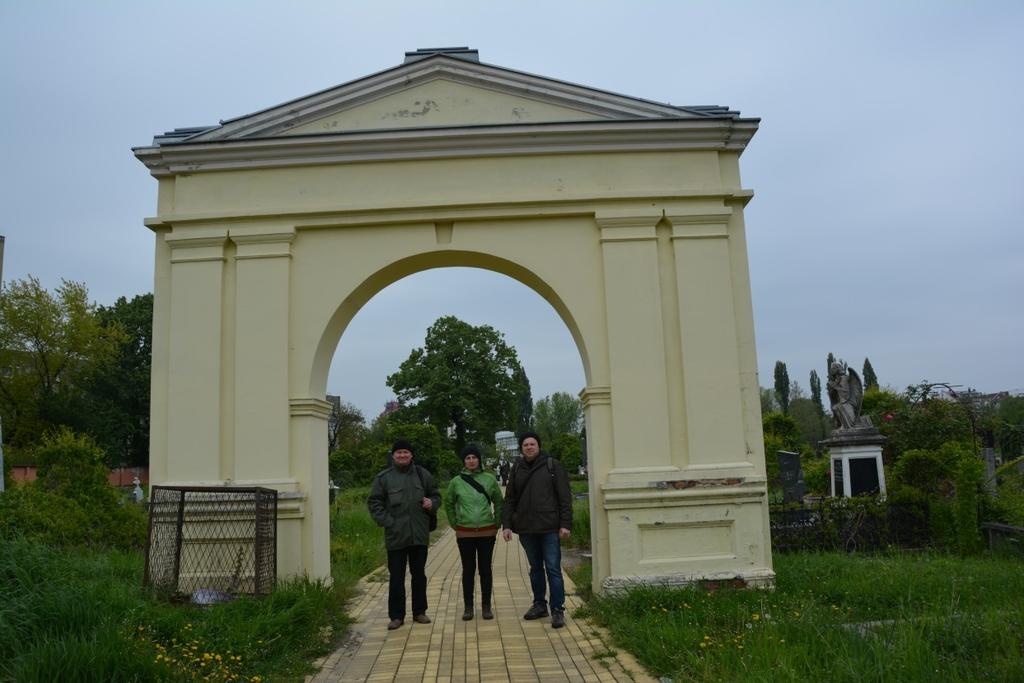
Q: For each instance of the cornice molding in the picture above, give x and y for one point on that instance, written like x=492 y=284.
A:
x=309 y=407
x=333 y=217
x=263 y=245
x=667 y=135
x=196 y=249
x=700 y=226
x=596 y=396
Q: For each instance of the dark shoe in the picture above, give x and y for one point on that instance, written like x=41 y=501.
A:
x=395 y=623
x=421 y=619
x=557 y=618
x=467 y=615
x=537 y=611
x=486 y=612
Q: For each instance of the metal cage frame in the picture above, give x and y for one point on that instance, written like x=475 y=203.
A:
x=221 y=539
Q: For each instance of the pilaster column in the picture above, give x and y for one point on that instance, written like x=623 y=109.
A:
x=597 y=411
x=194 y=352
x=707 y=326
x=159 y=358
x=308 y=435
x=260 y=377
x=636 y=345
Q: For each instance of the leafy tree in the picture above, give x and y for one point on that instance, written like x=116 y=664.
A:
x=557 y=414
x=567 y=448
x=795 y=391
x=429 y=449
x=916 y=420
x=870 y=380
x=50 y=345
x=346 y=426
x=462 y=380
x=782 y=386
x=816 y=392
x=809 y=419
x=768 y=404
x=118 y=388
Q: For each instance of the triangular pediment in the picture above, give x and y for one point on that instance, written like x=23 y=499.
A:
x=442 y=91
x=442 y=102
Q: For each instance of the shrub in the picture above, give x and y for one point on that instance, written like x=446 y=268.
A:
x=817 y=471
x=72 y=503
x=926 y=470
x=1008 y=505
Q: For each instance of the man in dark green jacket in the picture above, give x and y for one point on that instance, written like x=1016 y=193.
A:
x=401 y=500
x=538 y=507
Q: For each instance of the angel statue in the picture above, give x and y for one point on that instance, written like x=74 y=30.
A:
x=846 y=393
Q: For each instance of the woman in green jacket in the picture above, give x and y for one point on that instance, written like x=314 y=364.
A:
x=473 y=505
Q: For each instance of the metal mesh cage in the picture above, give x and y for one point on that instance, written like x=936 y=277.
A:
x=220 y=539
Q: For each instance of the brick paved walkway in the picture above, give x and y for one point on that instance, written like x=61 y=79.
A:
x=506 y=648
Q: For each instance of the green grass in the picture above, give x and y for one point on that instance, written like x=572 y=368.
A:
x=835 y=617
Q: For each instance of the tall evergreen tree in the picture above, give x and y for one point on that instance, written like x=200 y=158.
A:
x=524 y=402
x=782 y=386
x=829 y=362
x=816 y=391
x=870 y=379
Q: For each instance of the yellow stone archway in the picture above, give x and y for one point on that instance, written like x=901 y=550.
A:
x=273 y=229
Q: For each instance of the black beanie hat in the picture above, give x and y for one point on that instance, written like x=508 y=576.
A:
x=470 y=449
x=528 y=435
x=402 y=444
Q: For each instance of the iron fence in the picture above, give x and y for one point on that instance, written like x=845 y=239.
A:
x=850 y=524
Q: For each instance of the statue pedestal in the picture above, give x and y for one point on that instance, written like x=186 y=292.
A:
x=856 y=456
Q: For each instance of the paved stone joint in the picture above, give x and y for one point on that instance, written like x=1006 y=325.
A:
x=448 y=650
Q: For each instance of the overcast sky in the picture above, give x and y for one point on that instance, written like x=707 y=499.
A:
x=889 y=184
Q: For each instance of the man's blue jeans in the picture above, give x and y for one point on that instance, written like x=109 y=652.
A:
x=545 y=557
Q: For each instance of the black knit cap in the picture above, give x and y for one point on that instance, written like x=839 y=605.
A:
x=528 y=435
x=470 y=449
x=402 y=444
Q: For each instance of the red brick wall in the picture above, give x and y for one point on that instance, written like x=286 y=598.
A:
x=119 y=476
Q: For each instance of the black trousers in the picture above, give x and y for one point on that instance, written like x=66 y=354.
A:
x=416 y=557
x=476 y=552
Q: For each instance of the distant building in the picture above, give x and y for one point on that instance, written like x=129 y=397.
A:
x=390 y=407
x=506 y=445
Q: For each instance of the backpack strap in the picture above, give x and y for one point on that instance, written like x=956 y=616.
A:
x=475 y=484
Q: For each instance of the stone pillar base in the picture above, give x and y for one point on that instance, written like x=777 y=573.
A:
x=682 y=532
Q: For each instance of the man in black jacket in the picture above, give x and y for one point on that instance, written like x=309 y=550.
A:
x=538 y=507
x=401 y=498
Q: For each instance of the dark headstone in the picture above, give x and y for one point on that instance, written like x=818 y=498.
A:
x=793 y=488
x=863 y=476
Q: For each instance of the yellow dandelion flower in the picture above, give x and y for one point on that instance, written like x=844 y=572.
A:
x=755 y=616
